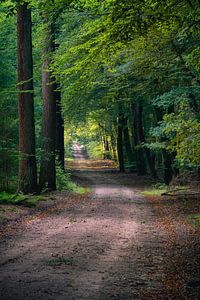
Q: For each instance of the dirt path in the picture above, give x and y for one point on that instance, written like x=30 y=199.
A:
x=109 y=245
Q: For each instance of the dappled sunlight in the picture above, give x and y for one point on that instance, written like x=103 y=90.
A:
x=99 y=150
x=91 y=164
x=114 y=192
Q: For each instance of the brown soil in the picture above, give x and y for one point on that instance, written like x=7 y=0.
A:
x=110 y=244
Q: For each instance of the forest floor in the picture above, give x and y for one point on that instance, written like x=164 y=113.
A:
x=109 y=243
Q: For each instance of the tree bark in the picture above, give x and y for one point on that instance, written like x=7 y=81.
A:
x=113 y=146
x=141 y=139
x=60 y=147
x=47 y=166
x=127 y=143
x=168 y=171
x=27 y=160
x=120 y=151
x=167 y=157
x=139 y=152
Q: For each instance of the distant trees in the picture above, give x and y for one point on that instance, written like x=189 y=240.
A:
x=143 y=56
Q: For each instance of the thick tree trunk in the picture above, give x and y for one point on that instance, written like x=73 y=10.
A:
x=60 y=147
x=120 y=143
x=27 y=160
x=168 y=172
x=167 y=157
x=141 y=138
x=47 y=167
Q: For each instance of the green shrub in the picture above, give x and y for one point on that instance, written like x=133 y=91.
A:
x=64 y=182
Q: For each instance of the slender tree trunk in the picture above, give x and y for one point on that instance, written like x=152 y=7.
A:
x=27 y=160
x=113 y=146
x=47 y=167
x=120 y=151
x=60 y=147
x=106 y=148
x=127 y=143
x=139 y=152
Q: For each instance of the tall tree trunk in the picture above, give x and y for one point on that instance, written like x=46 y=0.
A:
x=27 y=160
x=47 y=167
x=127 y=143
x=106 y=148
x=167 y=157
x=141 y=138
x=139 y=152
x=168 y=171
x=113 y=146
x=120 y=151
x=60 y=147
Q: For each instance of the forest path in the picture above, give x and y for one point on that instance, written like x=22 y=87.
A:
x=107 y=245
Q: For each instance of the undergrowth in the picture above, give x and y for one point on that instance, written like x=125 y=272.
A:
x=194 y=219
x=20 y=199
x=64 y=181
x=155 y=190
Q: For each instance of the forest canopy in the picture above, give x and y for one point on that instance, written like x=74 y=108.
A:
x=121 y=77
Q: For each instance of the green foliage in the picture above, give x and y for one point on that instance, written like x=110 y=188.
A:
x=183 y=133
x=111 y=54
x=89 y=136
x=94 y=149
x=64 y=182
x=19 y=199
x=156 y=190
x=194 y=219
x=8 y=105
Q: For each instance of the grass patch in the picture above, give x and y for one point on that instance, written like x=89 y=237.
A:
x=77 y=189
x=65 y=183
x=155 y=190
x=194 y=219
x=69 y=159
x=159 y=188
x=19 y=199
